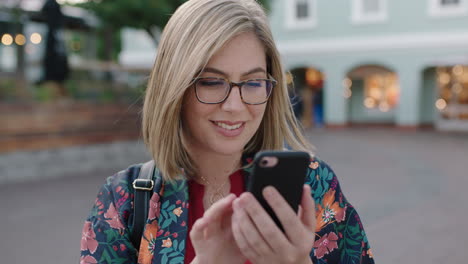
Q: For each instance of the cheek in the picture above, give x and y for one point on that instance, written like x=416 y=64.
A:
x=257 y=113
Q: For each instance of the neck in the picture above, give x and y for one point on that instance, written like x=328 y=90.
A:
x=215 y=168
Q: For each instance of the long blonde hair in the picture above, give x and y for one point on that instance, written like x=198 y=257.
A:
x=195 y=32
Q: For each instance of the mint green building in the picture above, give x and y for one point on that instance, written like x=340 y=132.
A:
x=394 y=62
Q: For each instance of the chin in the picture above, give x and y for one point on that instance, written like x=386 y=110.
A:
x=229 y=149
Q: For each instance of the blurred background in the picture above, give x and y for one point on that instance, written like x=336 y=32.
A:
x=380 y=86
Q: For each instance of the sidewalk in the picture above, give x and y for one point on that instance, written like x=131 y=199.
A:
x=409 y=188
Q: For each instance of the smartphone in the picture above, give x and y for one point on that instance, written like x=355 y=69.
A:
x=284 y=170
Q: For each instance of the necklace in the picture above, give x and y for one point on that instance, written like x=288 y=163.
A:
x=218 y=193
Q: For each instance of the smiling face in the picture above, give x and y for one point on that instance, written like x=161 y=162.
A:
x=226 y=128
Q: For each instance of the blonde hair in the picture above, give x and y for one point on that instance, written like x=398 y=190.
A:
x=195 y=32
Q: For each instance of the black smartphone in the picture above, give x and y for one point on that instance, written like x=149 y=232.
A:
x=284 y=170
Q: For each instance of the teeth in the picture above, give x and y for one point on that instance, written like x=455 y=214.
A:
x=228 y=127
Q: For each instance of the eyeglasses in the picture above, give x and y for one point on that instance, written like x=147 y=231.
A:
x=212 y=90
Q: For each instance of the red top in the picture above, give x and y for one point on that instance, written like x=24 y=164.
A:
x=196 y=192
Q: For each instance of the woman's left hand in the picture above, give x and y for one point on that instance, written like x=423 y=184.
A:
x=261 y=240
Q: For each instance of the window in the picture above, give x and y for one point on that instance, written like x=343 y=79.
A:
x=369 y=11
x=301 y=13
x=450 y=2
x=444 y=8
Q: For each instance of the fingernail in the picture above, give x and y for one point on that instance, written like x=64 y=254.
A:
x=268 y=191
x=237 y=205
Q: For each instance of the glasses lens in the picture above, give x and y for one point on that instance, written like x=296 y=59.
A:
x=256 y=91
x=211 y=90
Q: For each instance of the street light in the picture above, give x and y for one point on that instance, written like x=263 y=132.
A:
x=20 y=39
x=7 y=39
x=36 y=38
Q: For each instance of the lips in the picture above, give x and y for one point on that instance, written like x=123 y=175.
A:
x=229 y=129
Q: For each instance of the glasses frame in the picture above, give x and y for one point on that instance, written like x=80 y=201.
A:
x=231 y=85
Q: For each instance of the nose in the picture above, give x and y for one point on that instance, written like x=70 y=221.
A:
x=234 y=101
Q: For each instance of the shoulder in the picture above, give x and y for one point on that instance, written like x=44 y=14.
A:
x=323 y=181
x=117 y=193
x=319 y=172
x=124 y=178
x=340 y=233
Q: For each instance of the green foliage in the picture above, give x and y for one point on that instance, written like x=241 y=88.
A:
x=141 y=14
x=7 y=89
x=42 y=93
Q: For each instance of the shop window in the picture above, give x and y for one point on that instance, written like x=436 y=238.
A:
x=441 y=8
x=453 y=92
x=369 y=11
x=301 y=13
x=381 y=91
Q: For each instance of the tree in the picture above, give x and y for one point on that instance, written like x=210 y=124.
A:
x=149 y=15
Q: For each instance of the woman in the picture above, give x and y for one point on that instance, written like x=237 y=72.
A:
x=217 y=95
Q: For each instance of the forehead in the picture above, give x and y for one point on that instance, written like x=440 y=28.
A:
x=239 y=55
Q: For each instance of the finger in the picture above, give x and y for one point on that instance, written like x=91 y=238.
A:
x=300 y=211
x=214 y=215
x=308 y=203
x=217 y=210
x=264 y=223
x=245 y=248
x=288 y=218
x=197 y=232
x=250 y=230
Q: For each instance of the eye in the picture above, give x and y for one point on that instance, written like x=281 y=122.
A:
x=210 y=82
x=254 y=84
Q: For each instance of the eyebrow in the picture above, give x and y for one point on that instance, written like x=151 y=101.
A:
x=214 y=70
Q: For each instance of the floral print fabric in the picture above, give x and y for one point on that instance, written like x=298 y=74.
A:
x=340 y=236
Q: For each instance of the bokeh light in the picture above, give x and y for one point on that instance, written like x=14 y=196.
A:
x=36 y=38
x=7 y=39
x=20 y=39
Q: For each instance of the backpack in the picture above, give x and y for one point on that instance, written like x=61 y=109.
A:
x=143 y=186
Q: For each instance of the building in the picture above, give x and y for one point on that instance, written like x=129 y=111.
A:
x=380 y=62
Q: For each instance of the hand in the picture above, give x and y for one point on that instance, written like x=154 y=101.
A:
x=212 y=237
x=260 y=239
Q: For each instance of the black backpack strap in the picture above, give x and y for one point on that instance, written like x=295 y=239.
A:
x=143 y=186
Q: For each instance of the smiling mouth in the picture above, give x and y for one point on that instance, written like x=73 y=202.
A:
x=228 y=127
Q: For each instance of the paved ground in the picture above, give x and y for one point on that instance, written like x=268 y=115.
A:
x=410 y=188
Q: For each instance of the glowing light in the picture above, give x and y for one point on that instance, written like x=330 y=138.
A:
x=20 y=39
x=375 y=93
x=313 y=77
x=36 y=38
x=347 y=83
x=384 y=107
x=289 y=78
x=444 y=78
x=347 y=93
x=457 y=88
x=465 y=77
x=7 y=39
x=369 y=102
x=457 y=70
x=441 y=104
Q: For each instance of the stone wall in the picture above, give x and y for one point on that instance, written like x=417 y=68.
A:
x=46 y=141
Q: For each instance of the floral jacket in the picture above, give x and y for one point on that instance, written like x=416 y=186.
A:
x=340 y=236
